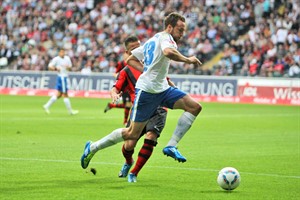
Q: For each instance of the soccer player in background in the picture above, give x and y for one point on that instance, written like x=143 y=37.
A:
x=125 y=95
x=62 y=64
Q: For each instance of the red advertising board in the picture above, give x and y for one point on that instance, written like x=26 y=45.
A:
x=269 y=91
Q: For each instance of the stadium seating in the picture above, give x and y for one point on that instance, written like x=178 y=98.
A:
x=93 y=32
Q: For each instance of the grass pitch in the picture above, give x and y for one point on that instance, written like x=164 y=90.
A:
x=40 y=153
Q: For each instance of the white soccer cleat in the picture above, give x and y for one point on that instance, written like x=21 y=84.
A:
x=46 y=110
x=74 y=112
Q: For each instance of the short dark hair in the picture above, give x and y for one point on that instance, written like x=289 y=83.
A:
x=173 y=18
x=61 y=49
x=130 y=39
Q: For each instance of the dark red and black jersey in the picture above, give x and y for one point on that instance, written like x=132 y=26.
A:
x=126 y=81
x=120 y=65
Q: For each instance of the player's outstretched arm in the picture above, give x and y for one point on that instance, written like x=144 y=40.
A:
x=175 y=55
x=135 y=63
x=115 y=94
x=51 y=67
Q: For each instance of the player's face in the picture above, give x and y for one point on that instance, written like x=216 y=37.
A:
x=61 y=53
x=178 y=30
x=131 y=46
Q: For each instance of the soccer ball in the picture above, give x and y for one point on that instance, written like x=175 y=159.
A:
x=229 y=178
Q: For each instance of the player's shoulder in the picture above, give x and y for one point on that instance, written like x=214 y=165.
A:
x=158 y=37
x=67 y=57
x=164 y=35
x=55 y=59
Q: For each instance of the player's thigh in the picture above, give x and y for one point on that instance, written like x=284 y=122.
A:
x=188 y=104
x=134 y=131
x=62 y=85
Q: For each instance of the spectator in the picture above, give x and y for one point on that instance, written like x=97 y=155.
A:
x=101 y=26
x=253 y=68
x=87 y=69
x=278 y=69
x=294 y=70
x=267 y=67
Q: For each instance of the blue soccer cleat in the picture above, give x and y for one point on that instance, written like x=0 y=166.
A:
x=174 y=153
x=87 y=155
x=132 y=178
x=125 y=169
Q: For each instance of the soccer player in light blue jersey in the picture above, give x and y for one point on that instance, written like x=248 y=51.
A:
x=153 y=90
x=62 y=64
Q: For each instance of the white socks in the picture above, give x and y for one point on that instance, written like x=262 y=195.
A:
x=50 y=102
x=109 y=140
x=68 y=104
x=54 y=98
x=183 y=125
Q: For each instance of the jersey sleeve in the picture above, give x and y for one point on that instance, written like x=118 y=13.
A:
x=120 y=81
x=120 y=65
x=138 y=53
x=53 y=62
x=69 y=61
x=167 y=41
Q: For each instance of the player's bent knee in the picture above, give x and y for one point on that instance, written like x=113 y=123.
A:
x=195 y=109
x=199 y=108
x=130 y=136
x=151 y=136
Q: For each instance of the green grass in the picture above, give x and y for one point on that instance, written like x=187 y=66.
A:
x=40 y=154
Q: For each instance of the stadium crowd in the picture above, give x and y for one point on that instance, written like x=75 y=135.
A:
x=256 y=38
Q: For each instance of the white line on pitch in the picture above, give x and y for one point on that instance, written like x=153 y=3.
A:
x=162 y=167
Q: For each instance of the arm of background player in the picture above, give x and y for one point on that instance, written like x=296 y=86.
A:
x=51 y=67
x=115 y=94
x=52 y=64
x=116 y=91
x=171 y=83
x=135 y=63
x=69 y=65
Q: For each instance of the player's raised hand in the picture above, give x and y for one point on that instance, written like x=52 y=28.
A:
x=194 y=60
x=116 y=96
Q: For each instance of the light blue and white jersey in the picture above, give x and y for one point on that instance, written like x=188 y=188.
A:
x=61 y=64
x=156 y=64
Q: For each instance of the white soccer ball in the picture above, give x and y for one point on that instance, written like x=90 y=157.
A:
x=229 y=178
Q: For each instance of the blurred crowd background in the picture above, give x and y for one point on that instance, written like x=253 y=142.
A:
x=238 y=38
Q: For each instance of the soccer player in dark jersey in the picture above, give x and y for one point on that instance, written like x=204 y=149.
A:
x=125 y=95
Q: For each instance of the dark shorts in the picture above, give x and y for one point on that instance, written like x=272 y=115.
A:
x=157 y=122
x=126 y=97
